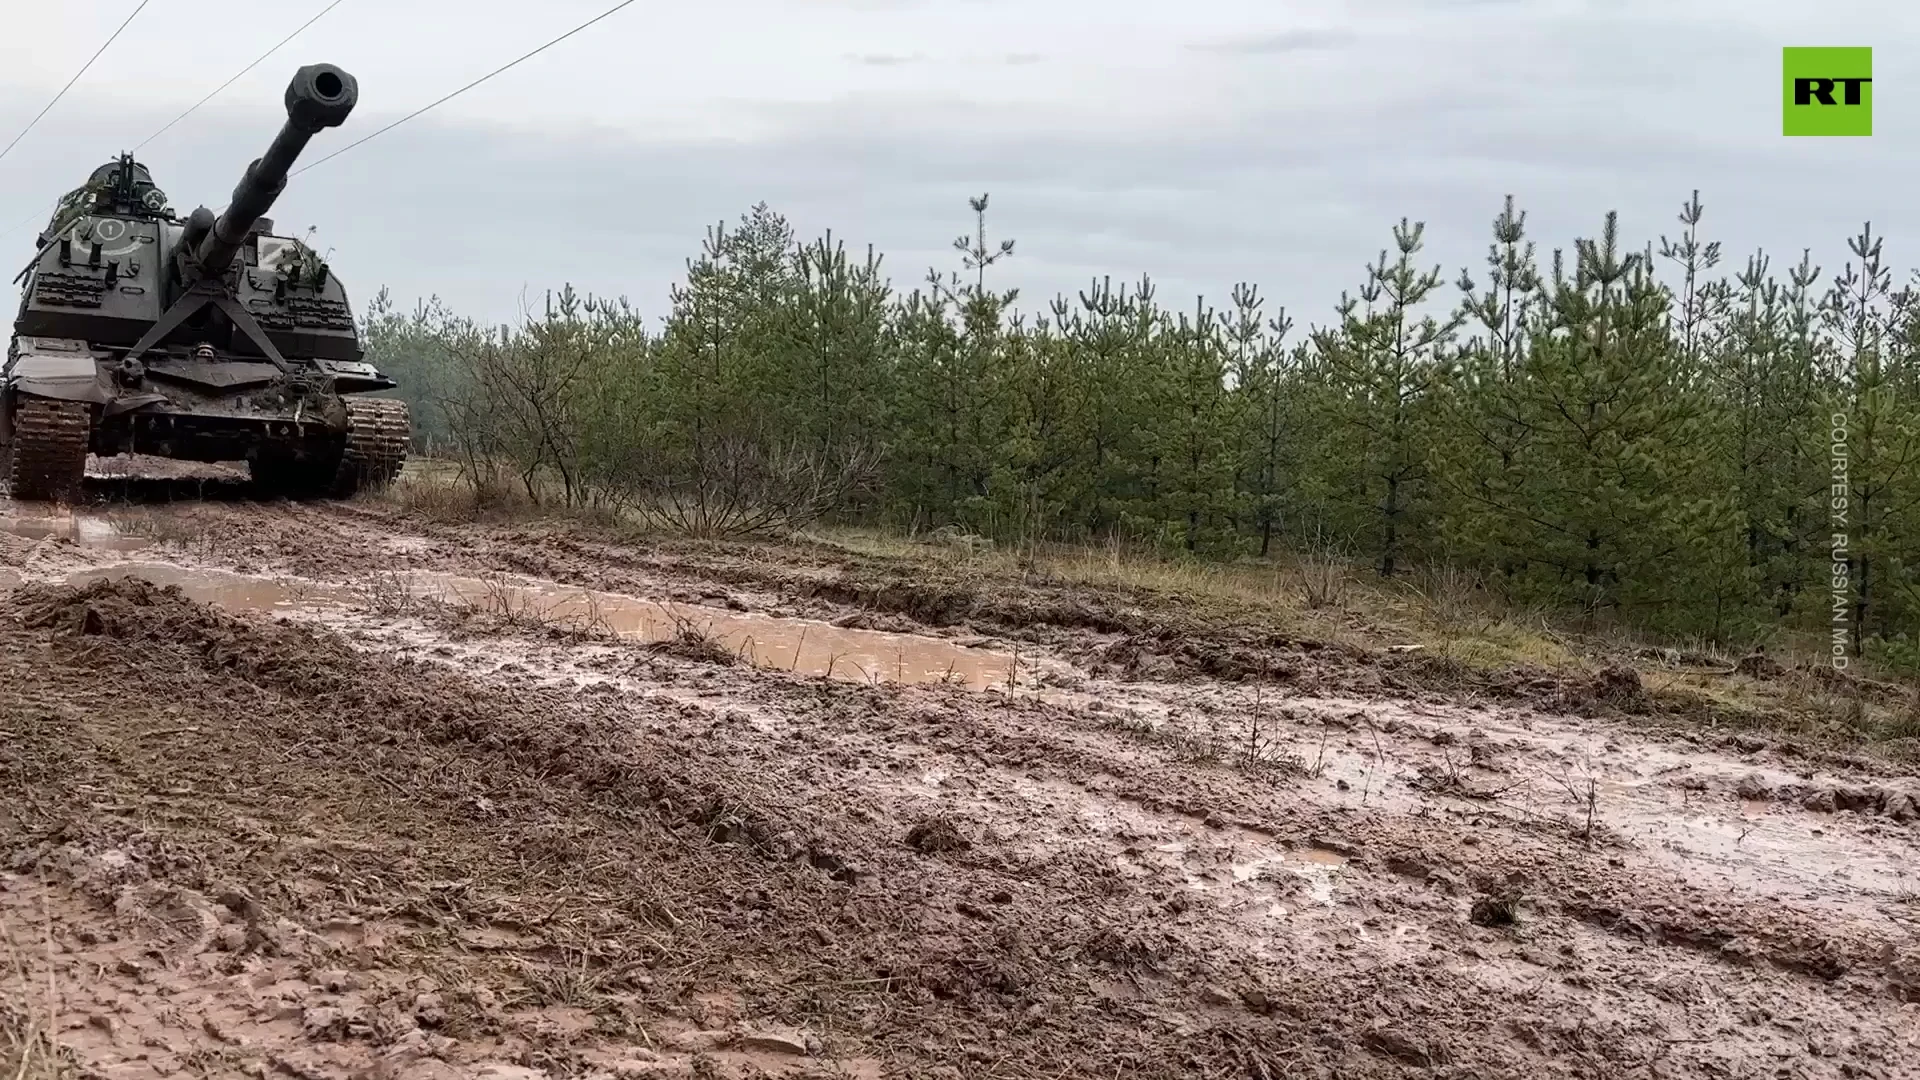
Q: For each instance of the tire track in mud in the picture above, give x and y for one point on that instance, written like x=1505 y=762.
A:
x=1005 y=773
x=1174 y=865
x=1479 y=754
x=650 y=841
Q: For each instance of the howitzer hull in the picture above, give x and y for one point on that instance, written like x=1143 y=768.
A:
x=300 y=435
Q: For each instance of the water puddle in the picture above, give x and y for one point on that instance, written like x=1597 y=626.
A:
x=787 y=644
x=1782 y=854
x=82 y=530
x=226 y=589
x=1235 y=868
x=767 y=641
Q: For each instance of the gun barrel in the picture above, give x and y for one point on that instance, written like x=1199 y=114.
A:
x=319 y=97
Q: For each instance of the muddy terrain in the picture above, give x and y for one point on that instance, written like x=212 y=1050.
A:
x=337 y=791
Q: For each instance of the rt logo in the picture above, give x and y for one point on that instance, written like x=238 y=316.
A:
x=1826 y=91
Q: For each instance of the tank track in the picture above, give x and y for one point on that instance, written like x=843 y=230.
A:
x=48 y=455
x=378 y=433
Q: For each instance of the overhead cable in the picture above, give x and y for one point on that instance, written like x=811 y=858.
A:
x=70 y=82
x=236 y=77
x=464 y=89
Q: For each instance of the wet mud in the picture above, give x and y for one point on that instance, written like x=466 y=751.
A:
x=325 y=791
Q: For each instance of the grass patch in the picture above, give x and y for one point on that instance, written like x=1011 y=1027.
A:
x=28 y=1052
x=435 y=490
x=27 y=1047
x=1318 y=595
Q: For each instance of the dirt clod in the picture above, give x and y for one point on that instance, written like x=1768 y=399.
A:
x=1494 y=911
x=777 y=1042
x=933 y=836
x=1399 y=1045
x=1620 y=687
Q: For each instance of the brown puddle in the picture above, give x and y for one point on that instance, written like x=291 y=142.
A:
x=767 y=641
x=805 y=646
x=224 y=588
x=82 y=530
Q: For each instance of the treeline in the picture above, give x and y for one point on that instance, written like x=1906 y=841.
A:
x=1636 y=433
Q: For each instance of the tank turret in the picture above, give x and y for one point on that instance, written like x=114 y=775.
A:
x=319 y=97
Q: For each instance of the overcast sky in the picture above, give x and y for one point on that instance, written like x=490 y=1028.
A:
x=1203 y=143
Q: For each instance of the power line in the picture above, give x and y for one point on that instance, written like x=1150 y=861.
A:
x=11 y=229
x=256 y=63
x=431 y=105
x=70 y=82
x=464 y=89
x=28 y=220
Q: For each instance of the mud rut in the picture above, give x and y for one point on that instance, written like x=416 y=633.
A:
x=325 y=791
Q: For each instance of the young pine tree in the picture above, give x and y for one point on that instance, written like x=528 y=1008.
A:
x=1383 y=361
x=1481 y=453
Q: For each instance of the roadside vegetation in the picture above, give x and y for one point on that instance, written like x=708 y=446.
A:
x=1631 y=449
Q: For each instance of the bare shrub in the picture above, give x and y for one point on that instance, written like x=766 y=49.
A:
x=1323 y=580
x=1448 y=594
x=691 y=641
x=743 y=487
x=528 y=395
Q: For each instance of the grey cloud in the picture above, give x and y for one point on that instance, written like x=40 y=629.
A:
x=885 y=59
x=1296 y=195
x=1284 y=41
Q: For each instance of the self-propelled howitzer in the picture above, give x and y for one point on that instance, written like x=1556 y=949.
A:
x=204 y=339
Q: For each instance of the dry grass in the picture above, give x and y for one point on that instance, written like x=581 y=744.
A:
x=1449 y=613
x=28 y=1050
x=1319 y=595
x=437 y=491
x=173 y=528
x=492 y=600
x=433 y=497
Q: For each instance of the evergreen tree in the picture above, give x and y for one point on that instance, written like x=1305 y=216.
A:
x=1191 y=441
x=1263 y=372
x=1873 y=391
x=1383 y=360
x=1481 y=458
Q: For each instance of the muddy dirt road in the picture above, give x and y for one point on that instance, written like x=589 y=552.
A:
x=332 y=791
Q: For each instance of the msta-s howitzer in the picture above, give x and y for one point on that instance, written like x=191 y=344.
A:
x=205 y=339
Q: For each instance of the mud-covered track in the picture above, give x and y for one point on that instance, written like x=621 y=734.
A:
x=378 y=431
x=48 y=455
